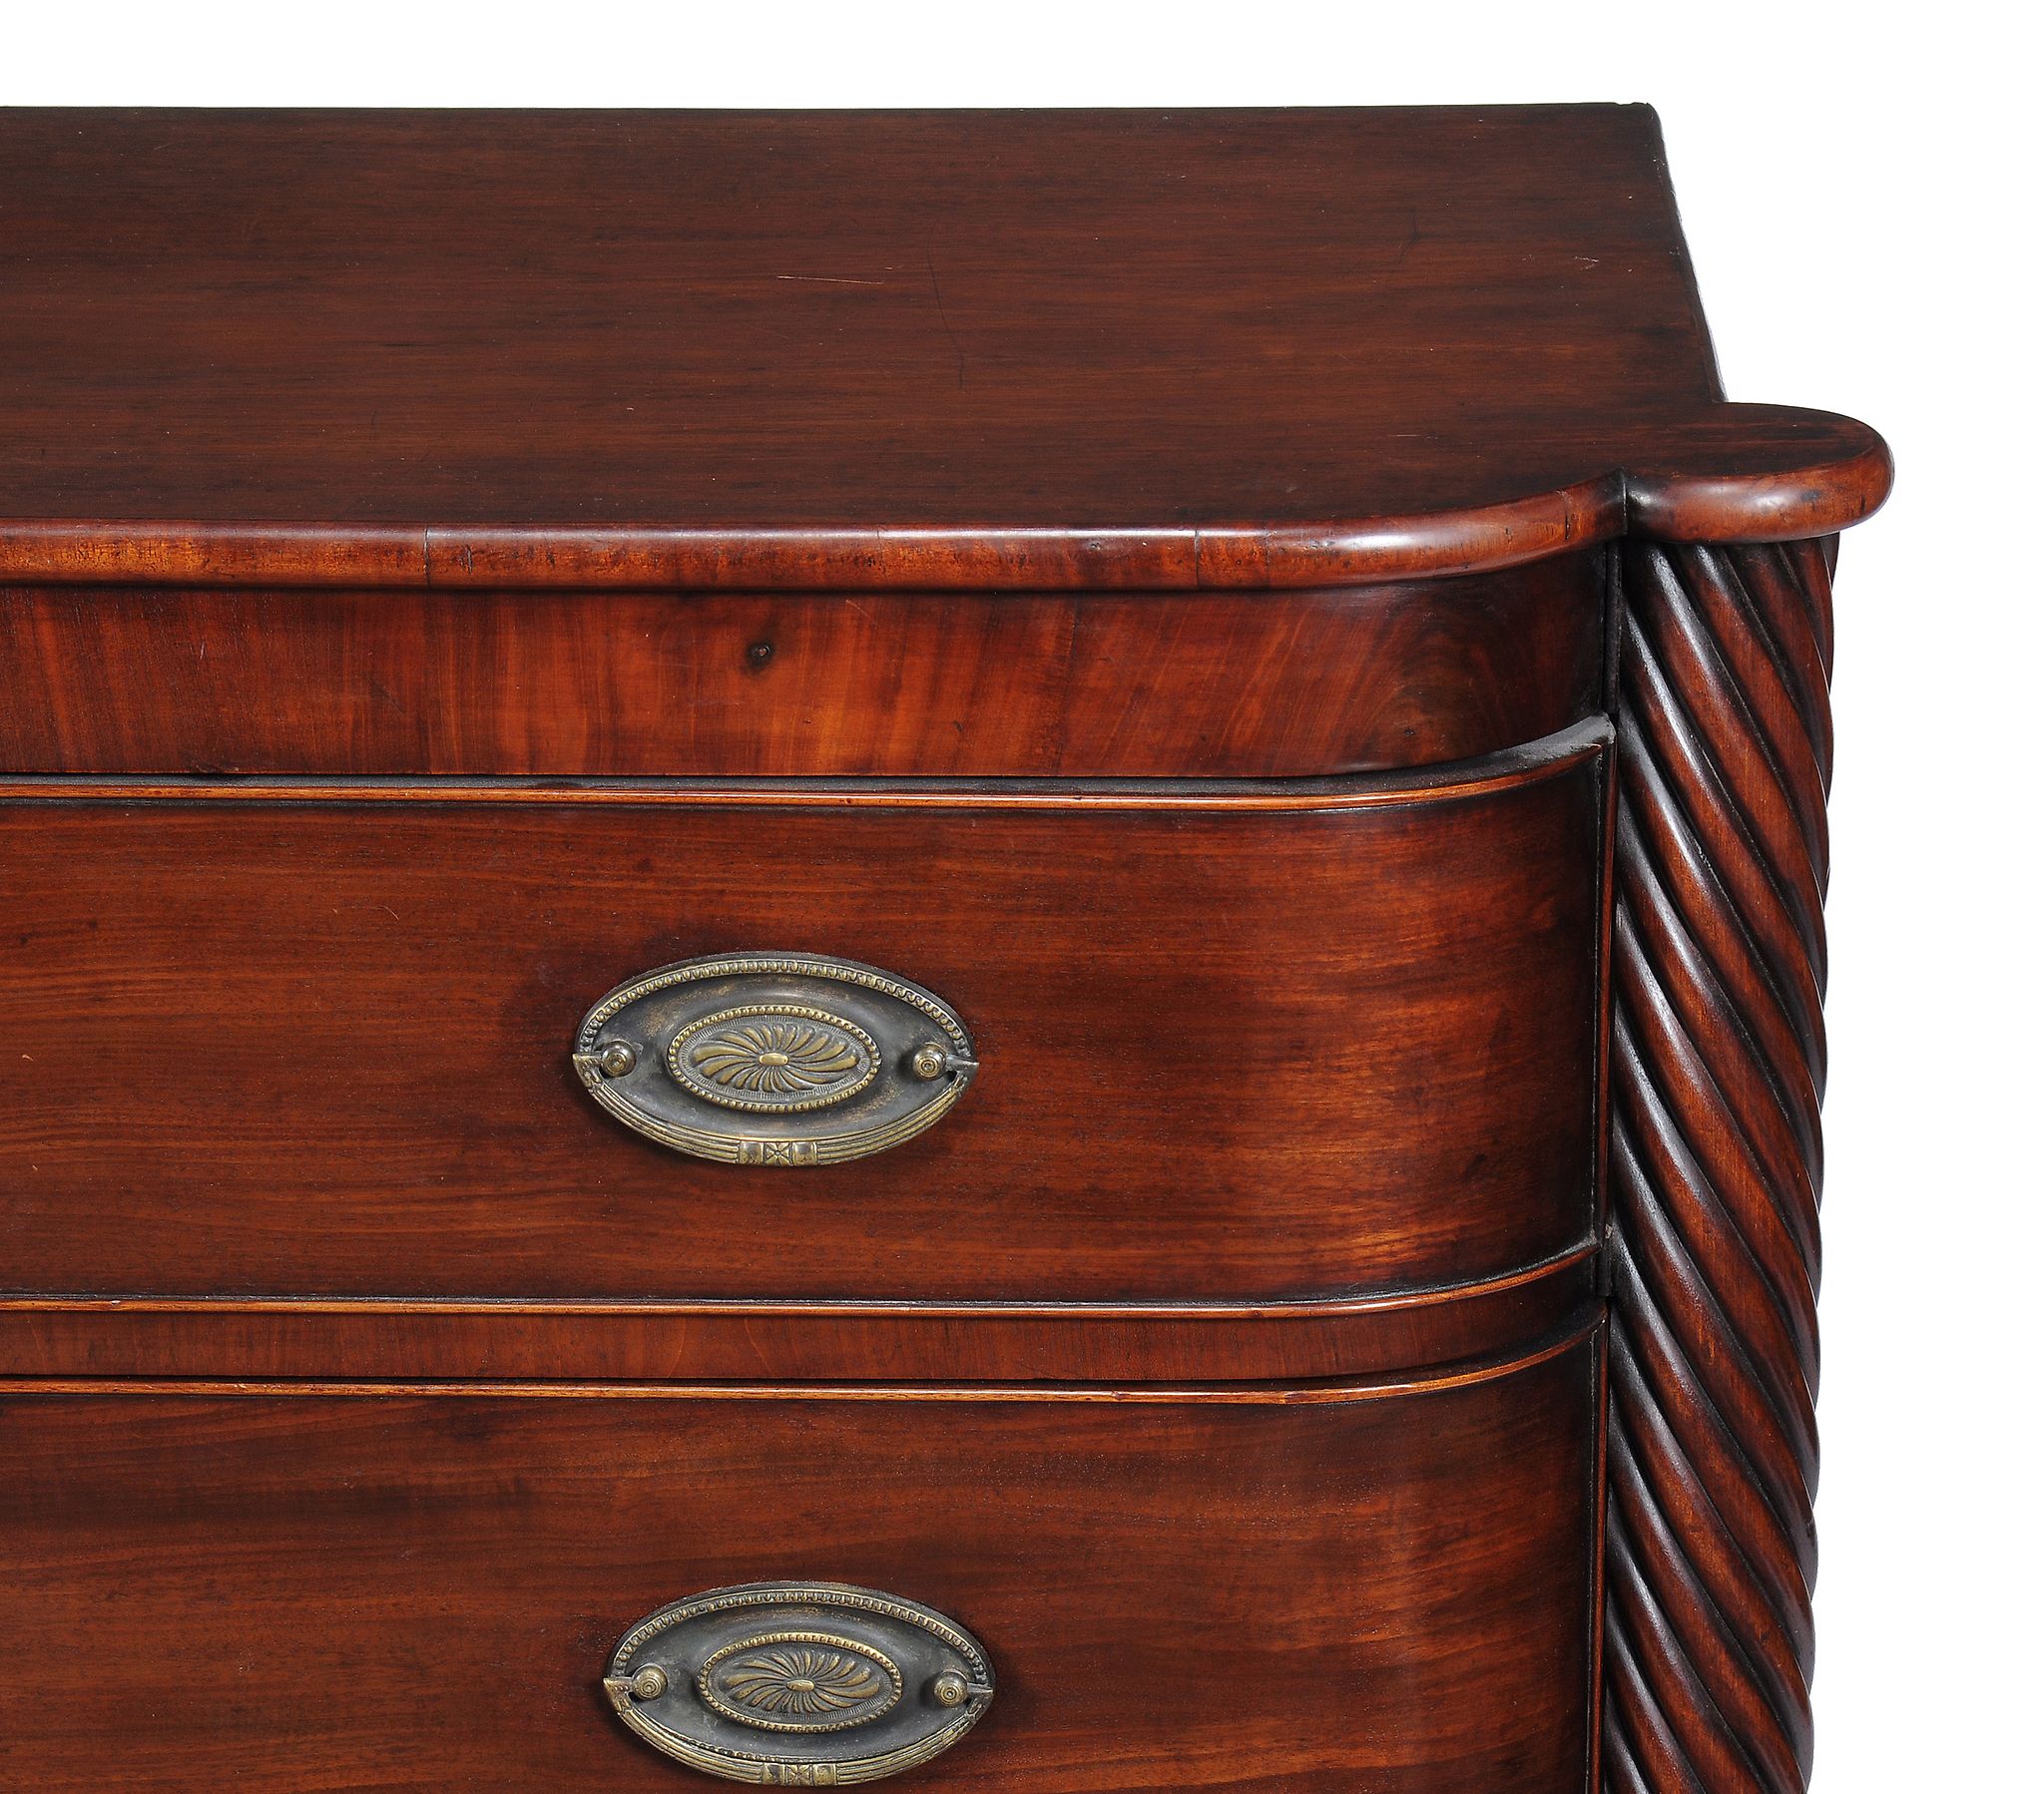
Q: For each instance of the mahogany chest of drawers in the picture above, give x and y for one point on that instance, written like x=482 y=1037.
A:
x=974 y=945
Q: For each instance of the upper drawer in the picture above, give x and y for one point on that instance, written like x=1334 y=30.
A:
x=1235 y=1041
x=652 y=684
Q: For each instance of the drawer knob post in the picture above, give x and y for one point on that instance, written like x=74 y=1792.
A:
x=649 y=1684
x=616 y=1059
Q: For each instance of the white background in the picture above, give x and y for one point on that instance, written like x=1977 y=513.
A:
x=1860 y=189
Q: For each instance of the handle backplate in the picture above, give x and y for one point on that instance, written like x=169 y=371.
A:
x=799 y=1684
x=774 y=1059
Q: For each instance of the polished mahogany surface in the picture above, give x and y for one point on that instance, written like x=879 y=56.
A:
x=449 y=1339
x=1016 y=349
x=1268 y=1042
x=1249 y=1589
x=936 y=685
x=1268 y=613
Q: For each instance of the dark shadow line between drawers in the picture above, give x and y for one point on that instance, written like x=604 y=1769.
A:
x=1448 y=782
x=1303 y=1393
x=1304 y=1309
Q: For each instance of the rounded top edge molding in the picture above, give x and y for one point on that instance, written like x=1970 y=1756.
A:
x=1696 y=497
x=1734 y=473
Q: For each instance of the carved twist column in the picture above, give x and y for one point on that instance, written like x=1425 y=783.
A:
x=1717 y=1067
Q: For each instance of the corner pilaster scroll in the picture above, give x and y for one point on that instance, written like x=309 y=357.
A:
x=1716 y=1162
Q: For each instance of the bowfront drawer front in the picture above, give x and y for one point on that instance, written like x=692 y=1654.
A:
x=707 y=684
x=1366 y=1588
x=1179 y=1041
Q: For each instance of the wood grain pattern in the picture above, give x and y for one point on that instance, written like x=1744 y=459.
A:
x=1159 y=579
x=640 y=685
x=866 y=349
x=1718 y=1070
x=301 y=1337
x=319 y=1047
x=298 y=1592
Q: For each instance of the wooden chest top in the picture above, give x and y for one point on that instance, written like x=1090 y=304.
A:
x=1012 y=349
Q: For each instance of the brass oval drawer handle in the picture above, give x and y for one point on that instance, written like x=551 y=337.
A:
x=799 y=1684
x=774 y=1059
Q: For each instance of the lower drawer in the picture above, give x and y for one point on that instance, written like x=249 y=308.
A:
x=1382 y=1587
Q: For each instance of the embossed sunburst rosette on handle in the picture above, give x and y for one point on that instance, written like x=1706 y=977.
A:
x=799 y=1684
x=774 y=1059
x=1717 y=1065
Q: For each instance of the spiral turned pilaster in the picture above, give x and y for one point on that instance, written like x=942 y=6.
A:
x=1716 y=1071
